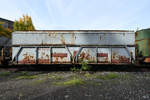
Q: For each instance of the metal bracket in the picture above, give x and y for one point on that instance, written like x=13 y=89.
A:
x=69 y=53
x=76 y=57
x=17 y=54
x=128 y=53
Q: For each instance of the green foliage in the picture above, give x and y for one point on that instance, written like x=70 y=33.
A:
x=24 y=24
x=85 y=66
x=74 y=69
x=5 y=31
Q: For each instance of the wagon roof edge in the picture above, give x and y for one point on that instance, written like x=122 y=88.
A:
x=73 y=31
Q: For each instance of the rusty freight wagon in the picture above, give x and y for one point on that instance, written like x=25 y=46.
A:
x=73 y=47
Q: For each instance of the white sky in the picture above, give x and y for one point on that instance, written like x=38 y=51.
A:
x=80 y=14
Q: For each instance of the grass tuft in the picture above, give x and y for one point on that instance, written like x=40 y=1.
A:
x=74 y=82
x=27 y=77
x=55 y=77
x=7 y=73
x=108 y=76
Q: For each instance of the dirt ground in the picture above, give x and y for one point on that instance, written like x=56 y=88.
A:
x=67 y=85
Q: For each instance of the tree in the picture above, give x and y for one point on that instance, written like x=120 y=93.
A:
x=24 y=24
x=5 y=31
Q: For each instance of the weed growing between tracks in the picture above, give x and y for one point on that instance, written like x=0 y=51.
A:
x=84 y=67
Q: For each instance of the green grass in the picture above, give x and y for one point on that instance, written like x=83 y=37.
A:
x=74 y=69
x=23 y=73
x=125 y=76
x=108 y=76
x=88 y=75
x=39 y=81
x=7 y=73
x=74 y=82
x=55 y=77
x=27 y=77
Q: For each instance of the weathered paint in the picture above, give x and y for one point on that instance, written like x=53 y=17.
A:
x=43 y=55
x=104 y=55
x=27 y=56
x=76 y=38
x=142 y=41
x=87 y=55
x=57 y=47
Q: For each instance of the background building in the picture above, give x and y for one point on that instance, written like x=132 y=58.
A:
x=5 y=42
x=7 y=23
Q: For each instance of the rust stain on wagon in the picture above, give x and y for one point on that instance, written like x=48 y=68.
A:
x=43 y=61
x=59 y=57
x=73 y=38
x=44 y=56
x=53 y=34
x=62 y=39
x=103 y=57
x=86 y=56
x=119 y=58
x=102 y=54
x=75 y=53
x=28 y=59
x=59 y=54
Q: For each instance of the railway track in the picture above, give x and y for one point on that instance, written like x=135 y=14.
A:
x=115 y=68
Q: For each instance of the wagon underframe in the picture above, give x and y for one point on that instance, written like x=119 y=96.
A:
x=101 y=54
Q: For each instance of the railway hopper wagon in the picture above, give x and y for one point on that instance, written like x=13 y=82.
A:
x=73 y=47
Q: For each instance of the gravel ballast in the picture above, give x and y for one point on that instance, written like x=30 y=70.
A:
x=93 y=85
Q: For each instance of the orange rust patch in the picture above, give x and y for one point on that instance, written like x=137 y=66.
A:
x=102 y=54
x=121 y=59
x=59 y=54
x=86 y=56
x=26 y=62
x=43 y=61
x=147 y=60
x=62 y=39
x=75 y=53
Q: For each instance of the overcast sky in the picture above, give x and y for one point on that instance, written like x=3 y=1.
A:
x=80 y=14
